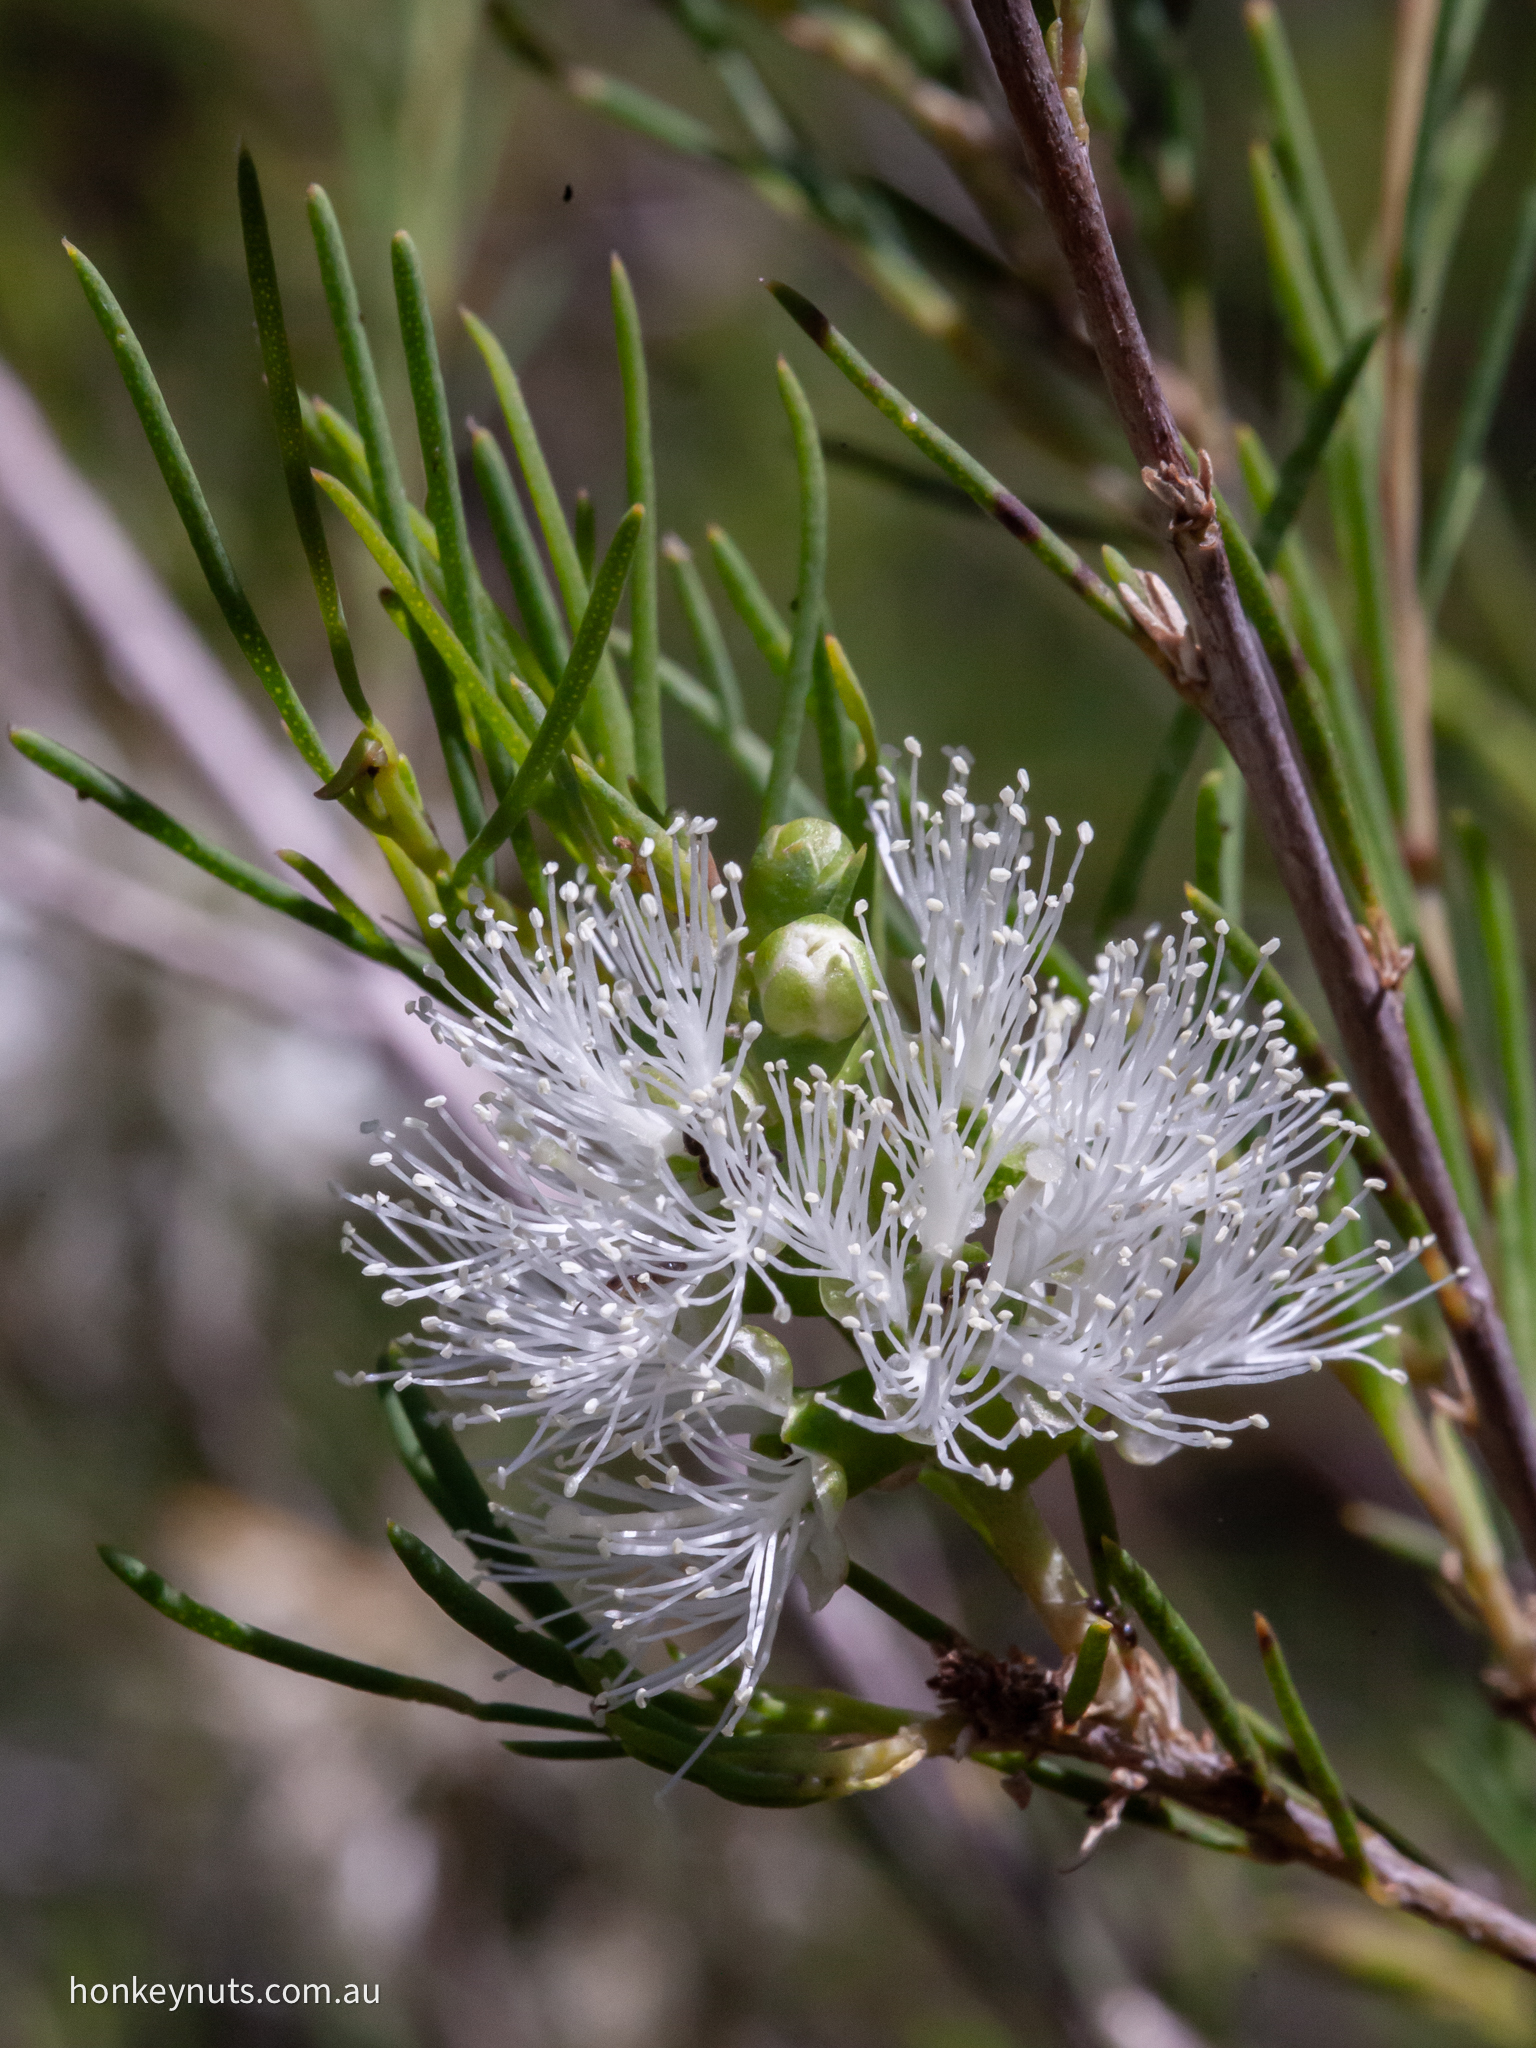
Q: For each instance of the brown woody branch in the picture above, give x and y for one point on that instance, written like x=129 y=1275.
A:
x=1010 y=1714
x=1239 y=697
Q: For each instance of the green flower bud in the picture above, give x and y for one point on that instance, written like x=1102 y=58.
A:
x=807 y=868
x=811 y=976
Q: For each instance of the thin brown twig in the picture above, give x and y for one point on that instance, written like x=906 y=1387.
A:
x=1239 y=697
x=1152 y=1755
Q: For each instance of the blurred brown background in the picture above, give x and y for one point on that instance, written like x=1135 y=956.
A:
x=180 y=1081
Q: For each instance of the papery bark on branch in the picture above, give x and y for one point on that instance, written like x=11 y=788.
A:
x=1238 y=695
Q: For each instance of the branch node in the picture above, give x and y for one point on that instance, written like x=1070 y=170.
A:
x=1190 y=499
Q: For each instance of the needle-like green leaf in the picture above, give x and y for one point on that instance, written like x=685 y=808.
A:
x=187 y=496
x=749 y=600
x=917 y=1621
x=490 y=713
x=1462 y=483
x=482 y=1617
x=1190 y=1660
x=1296 y=144
x=1177 y=749
x=586 y=652
x=1087 y=1672
x=519 y=555
x=1302 y=462
x=1321 y=1778
x=606 y=727
x=1219 y=820
x=709 y=641
x=806 y=632
x=1095 y=1509
x=445 y=510
x=961 y=468
x=283 y=392
x=273 y=1649
x=445 y=504
x=1515 y=1189
x=640 y=470
x=99 y=787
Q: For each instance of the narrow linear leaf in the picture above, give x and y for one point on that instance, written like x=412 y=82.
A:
x=1309 y=325
x=1189 y=1659
x=1301 y=464
x=607 y=728
x=199 y=1620
x=488 y=708
x=1083 y=1687
x=445 y=503
x=1095 y=1509
x=568 y=1752
x=283 y=392
x=746 y=749
x=484 y=1619
x=1171 y=764
x=100 y=787
x=1321 y=1779
x=390 y=505
x=584 y=532
x=192 y=507
x=806 y=631
x=961 y=468
x=1462 y=482
x=907 y=1614
x=1327 y=656
x=640 y=473
x=335 y=444
x=1515 y=1203
x=429 y=1449
x=519 y=555
x=1296 y=142
x=1373 y=1159
x=445 y=510
x=750 y=602
x=565 y=706
x=832 y=740
x=343 y=904
x=718 y=669
x=1219 y=821
x=1308 y=711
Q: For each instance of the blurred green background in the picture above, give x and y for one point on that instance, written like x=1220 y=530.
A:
x=175 y=1305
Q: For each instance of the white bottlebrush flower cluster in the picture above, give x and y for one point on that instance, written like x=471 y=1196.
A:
x=1026 y=1217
